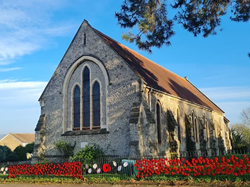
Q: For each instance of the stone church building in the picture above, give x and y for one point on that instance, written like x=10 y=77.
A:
x=105 y=94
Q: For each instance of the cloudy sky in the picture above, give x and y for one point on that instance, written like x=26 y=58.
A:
x=34 y=35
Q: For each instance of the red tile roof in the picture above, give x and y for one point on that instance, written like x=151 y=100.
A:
x=158 y=77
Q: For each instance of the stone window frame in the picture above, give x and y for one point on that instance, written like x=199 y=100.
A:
x=72 y=68
x=72 y=105
x=158 y=125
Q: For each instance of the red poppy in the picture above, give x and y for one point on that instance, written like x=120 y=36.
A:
x=106 y=168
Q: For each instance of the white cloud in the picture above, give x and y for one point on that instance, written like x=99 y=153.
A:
x=26 y=26
x=9 y=69
x=19 y=105
x=233 y=109
x=227 y=93
x=232 y=100
x=13 y=84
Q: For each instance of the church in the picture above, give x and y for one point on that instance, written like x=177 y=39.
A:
x=105 y=94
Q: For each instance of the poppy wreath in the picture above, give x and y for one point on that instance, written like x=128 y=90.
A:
x=106 y=168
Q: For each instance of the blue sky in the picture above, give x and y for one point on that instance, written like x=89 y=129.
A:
x=34 y=35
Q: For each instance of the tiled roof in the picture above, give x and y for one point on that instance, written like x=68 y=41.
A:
x=24 y=138
x=158 y=77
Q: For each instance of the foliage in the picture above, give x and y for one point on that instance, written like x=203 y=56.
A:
x=245 y=114
x=155 y=26
x=30 y=147
x=240 y=137
x=20 y=152
x=2 y=155
x=65 y=148
x=88 y=155
x=5 y=152
x=12 y=157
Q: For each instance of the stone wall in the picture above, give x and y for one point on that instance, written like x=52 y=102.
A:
x=204 y=117
x=121 y=92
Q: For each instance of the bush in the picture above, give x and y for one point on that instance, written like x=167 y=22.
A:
x=88 y=155
x=12 y=158
x=30 y=147
x=65 y=148
x=4 y=153
x=20 y=152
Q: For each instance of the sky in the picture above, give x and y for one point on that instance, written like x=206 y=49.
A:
x=35 y=34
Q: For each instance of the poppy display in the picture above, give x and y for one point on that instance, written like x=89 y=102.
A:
x=106 y=168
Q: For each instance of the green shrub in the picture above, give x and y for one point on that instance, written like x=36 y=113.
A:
x=65 y=148
x=4 y=153
x=12 y=158
x=88 y=155
x=20 y=152
x=30 y=147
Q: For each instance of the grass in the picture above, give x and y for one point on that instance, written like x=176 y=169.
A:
x=223 y=180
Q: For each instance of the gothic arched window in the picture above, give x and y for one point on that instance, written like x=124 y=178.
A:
x=196 y=130
x=96 y=105
x=158 y=121
x=179 y=126
x=76 y=108
x=86 y=98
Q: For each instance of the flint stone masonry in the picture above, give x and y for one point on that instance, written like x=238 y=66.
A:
x=128 y=116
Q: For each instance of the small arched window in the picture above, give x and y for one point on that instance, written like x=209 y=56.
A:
x=96 y=105
x=158 y=121
x=86 y=98
x=179 y=126
x=196 y=130
x=207 y=129
x=193 y=129
x=76 y=108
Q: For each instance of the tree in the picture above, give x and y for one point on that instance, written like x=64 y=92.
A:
x=155 y=27
x=20 y=152
x=4 y=153
x=240 y=137
x=245 y=116
x=30 y=147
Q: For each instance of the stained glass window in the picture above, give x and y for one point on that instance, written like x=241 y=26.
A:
x=96 y=105
x=76 y=107
x=86 y=98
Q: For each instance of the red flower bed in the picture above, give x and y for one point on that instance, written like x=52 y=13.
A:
x=197 y=167
x=72 y=169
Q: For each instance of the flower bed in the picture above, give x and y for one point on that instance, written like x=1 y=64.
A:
x=71 y=169
x=194 y=167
